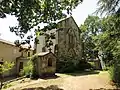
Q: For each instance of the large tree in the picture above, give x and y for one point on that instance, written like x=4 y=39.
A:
x=31 y=13
x=90 y=29
x=109 y=6
x=110 y=39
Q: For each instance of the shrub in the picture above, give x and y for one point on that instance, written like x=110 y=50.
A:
x=114 y=72
x=82 y=65
x=65 y=66
x=71 y=64
x=30 y=69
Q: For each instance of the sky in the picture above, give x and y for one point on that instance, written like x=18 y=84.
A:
x=80 y=13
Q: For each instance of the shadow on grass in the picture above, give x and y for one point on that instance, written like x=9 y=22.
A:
x=82 y=73
x=9 y=78
x=51 y=87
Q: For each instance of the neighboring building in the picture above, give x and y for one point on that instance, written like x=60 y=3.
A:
x=67 y=42
x=9 y=52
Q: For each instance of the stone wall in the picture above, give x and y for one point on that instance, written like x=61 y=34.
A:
x=43 y=67
x=69 y=40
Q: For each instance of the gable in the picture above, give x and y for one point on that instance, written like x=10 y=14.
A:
x=68 y=23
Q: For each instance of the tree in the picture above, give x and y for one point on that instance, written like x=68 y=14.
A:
x=109 y=6
x=111 y=27
x=30 y=13
x=4 y=66
x=90 y=29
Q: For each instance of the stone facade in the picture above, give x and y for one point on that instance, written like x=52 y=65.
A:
x=67 y=42
x=46 y=64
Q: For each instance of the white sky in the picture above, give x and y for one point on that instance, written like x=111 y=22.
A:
x=79 y=14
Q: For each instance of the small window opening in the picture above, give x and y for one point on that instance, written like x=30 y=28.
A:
x=49 y=62
x=28 y=54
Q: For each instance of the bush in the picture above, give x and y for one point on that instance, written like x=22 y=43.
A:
x=71 y=64
x=82 y=65
x=27 y=69
x=114 y=72
x=30 y=69
x=65 y=66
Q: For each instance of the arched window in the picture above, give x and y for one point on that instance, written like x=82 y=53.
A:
x=50 y=62
x=71 y=41
x=56 y=49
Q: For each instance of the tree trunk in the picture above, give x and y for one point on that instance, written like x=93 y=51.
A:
x=1 y=85
x=1 y=81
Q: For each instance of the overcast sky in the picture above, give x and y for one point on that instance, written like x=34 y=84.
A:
x=79 y=14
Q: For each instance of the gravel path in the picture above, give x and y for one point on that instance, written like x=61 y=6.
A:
x=71 y=82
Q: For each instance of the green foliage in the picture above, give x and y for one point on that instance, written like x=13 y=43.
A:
x=83 y=65
x=31 y=13
x=30 y=69
x=90 y=29
x=27 y=70
x=71 y=64
x=115 y=72
x=104 y=33
x=33 y=66
x=65 y=66
x=108 y=6
x=5 y=67
x=107 y=40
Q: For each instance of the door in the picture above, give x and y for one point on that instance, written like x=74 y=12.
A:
x=20 y=66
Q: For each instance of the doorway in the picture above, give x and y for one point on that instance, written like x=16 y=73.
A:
x=20 y=66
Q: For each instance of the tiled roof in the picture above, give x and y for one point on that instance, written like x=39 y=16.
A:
x=6 y=42
x=11 y=43
x=42 y=53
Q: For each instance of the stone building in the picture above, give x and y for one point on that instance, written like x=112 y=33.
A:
x=67 y=40
x=46 y=64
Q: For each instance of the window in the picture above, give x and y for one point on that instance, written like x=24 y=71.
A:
x=1 y=63
x=28 y=54
x=50 y=62
x=71 y=39
x=56 y=49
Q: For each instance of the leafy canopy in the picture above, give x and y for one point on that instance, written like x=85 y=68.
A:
x=31 y=13
x=90 y=29
x=109 y=6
